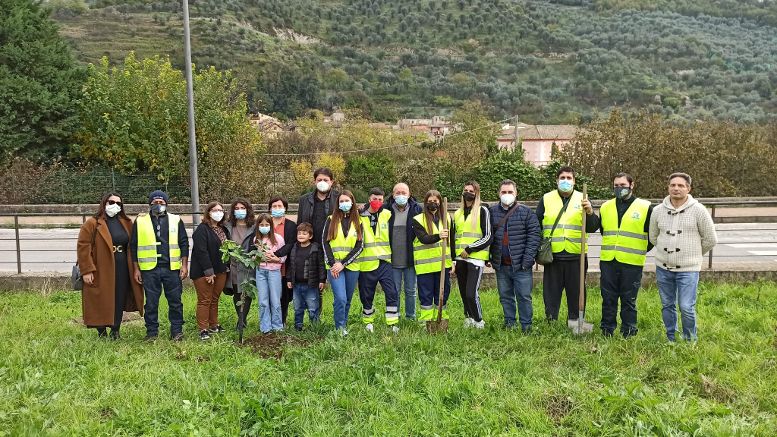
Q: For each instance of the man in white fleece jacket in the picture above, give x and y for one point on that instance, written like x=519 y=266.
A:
x=682 y=231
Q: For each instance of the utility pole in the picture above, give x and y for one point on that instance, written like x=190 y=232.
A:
x=187 y=44
x=516 y=145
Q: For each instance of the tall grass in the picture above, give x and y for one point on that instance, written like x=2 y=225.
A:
x=57 y=378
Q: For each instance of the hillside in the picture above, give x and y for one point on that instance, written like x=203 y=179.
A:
x=548 y=61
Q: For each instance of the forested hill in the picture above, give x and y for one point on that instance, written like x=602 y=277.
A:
x=548 y=61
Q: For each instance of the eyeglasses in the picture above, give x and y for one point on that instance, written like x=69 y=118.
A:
x=113 y=202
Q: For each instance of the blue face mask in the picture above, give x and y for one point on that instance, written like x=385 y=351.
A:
x=264 y=230
x=345 y=206
x=278 y=213
x=565 y=185
x=401 y=200
x=240 y=214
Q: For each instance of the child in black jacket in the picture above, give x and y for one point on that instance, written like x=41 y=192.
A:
x=306 y=275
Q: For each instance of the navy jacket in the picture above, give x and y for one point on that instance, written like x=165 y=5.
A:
x=524 y=234
x=413 y=209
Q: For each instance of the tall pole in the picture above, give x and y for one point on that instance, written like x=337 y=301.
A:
x=516 y=145
x=187 y=48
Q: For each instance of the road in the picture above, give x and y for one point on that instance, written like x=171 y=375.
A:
x=743 y=246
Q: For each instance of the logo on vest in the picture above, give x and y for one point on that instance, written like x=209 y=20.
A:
x=636 y=215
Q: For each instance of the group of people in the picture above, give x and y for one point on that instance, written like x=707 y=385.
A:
x=401 y=244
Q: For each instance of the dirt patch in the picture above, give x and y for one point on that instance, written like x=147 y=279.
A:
x=273 y=345
x=711 y=389
x=558 y=407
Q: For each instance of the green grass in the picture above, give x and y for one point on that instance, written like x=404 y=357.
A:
x=57 y=378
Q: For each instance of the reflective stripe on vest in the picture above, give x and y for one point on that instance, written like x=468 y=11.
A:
x=376 y=247
x=628 y=243
x=568 y=232
x=147 y=244
x=427 y=257
x=472 y=234
x=341 y=246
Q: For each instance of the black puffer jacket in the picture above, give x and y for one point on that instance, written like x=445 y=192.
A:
x=314 y=266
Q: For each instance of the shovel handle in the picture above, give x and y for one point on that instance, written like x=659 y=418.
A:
x=443 y=245
x=583 y=238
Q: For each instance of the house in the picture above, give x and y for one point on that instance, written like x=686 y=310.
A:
x=536 y=140
x=436 y=126
x=267 y=125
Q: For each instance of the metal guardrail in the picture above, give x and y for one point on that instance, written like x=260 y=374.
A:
x=713 y=205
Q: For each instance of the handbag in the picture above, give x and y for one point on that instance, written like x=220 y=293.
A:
x=545 y=252
x=76 y=278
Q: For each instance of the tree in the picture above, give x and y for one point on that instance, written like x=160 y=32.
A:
x=134 y=118
x=39 y=83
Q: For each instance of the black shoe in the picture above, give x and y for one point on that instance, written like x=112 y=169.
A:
x=216 y=329
x=151 y=338
x=115 y=334
x=298 y=327
x=204 y=335
x=102 y=333
x=177 y=337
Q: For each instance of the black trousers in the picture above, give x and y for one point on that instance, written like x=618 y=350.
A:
x=619 y=282
x=468 y=277
x=287 y=295
x=562 y=275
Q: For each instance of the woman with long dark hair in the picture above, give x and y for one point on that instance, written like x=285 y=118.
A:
x=105 y=266
x=241 y=227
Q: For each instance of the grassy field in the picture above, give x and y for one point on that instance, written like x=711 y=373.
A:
x=57 y=378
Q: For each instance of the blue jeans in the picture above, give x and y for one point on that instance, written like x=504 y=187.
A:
x=268 y=284
x=678 y=288
x=407 y=275
x=515 y=284
x=342 y=289
x=153 y=282
x=308 y=297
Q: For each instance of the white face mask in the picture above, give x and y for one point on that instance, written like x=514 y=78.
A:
x=507 y=199
x=217 y=215
x=112 y=210
x=322 y=186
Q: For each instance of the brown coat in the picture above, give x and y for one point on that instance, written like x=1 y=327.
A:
x=98 y=299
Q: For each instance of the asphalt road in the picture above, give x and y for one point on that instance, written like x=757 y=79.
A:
x=743 y=246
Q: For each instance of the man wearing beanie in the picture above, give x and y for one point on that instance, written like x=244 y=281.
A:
x=160 y=250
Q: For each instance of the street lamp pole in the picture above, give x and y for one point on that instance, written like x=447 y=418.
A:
x=187 y=44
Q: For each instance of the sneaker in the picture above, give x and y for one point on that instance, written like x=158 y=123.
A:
x=204 y=335
x=298 y=327
x=395 y=330
x=102 y=333
x=369 y=327
x=216 y=329
x=469 y=322
x=151 y=338
x=344 y=332
x=177 y=337
x=115 y=335
x=479 y=325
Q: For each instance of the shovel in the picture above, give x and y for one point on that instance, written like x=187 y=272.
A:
x=581 y=327
x=440 y=325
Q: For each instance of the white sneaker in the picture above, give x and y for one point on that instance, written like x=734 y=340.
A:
x=469 y=322
x=369 y=327
x=344 y=332
x=479 y=325
x=395 y=329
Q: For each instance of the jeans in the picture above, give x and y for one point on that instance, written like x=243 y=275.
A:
x=153 y=282
x=407 y=275
x=268 y=284
x=429 y=295
x=515 y=284
x=308 y=297
x=678 y=288
x=342 y=289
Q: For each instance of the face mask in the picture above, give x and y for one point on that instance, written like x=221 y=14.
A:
x=345 y=206
x=217 y=215
x=157 y=209
x=278 y=213
x=241 y=214
x=322 y=186
x=431 y=206
x=507 y=199
x=622 y=192
x=401 y=200
x=264 y=230
x=468 y=197
x=375 y=204
x=565 y=185
x=112 y=210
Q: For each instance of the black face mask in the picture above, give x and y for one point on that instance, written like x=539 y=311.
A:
x=158 y=210
x=468 y=197
x=432 y=207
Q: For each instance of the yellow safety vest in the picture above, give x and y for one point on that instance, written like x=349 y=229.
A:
x=627 y=243
x=428 y=256
x=376 y=247
x=466 y=234
x=343 y=245
x=568 y=232
x=147 y=243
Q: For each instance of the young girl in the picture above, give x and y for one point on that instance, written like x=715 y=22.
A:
x=268 y=275
x=473 y=241
x=342 y=246
x=427 y=253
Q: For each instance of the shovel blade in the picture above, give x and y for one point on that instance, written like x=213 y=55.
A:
x=434 y=327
